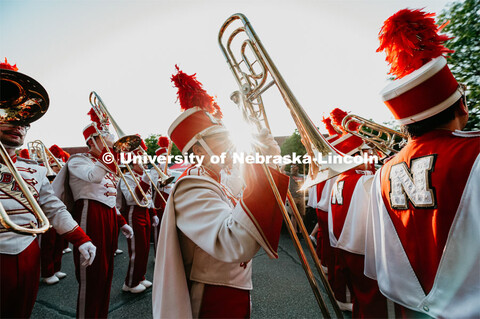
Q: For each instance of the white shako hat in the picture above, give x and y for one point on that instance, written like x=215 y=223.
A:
x=424 y=85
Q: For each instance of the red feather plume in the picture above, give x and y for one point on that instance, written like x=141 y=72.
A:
x=410 y=39
x=338 y=115
x=8 y=66
x=56 y=151
x=191 y=93
x=163 y=141
x=328 y=125
x=94 y=118
x=24 y=153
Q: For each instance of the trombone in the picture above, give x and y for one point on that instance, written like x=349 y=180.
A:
x=251 y=77
x=41 y=153
x=125 y=143
x=23 y=101
x=163 y=179
x=385 y=140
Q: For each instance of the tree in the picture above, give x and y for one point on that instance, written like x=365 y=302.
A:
x=464 y=26
x=293 y=144
x=151 y=142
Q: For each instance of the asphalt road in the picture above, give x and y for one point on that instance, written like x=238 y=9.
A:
x=281 y=289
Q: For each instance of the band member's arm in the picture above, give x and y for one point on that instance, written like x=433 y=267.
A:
x=144 y=183
x=120 y=218
x=58 y=215
x=85 y=169
x=133 y=186
x=228 y=234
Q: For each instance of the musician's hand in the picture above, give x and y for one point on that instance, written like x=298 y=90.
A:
x=127 y=231
x=87 y=251
x=155 y=221
x=267 y=143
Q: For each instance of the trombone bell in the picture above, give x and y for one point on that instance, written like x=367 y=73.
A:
x=22 y=101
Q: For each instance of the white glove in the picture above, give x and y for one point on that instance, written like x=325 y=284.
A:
x=127 y=231
x=267 y=143
x=155 y=222
x=87 y=251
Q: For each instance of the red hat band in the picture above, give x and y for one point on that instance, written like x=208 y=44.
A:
x=347 y=144
x=89 y=132
x=422 y=93
x=192 y=125
x=161 y=151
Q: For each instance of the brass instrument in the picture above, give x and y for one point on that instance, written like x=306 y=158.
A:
x=41 y=153
x=22 y=101
x=251 y=71
x=385 y=140
x=163 y=179
x=125 y=143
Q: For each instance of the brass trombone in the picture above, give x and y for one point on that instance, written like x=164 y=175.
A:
x=251 y=76
x=125 y=143
x=162 y=181
x=23 y=101
x=41 y=153
x=385 y=140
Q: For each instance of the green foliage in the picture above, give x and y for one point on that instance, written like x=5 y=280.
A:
x=151 y=142
x=464 y=26
x=293 y=144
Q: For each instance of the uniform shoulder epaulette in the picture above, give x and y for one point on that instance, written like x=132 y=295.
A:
x=27 y=160
x=466 y=133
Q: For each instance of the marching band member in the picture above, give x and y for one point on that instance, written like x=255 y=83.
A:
x=422 y=239
x=208 y=236
x=20 y=253
x=88 y=183
x=347 y=214
x=51 y=244
x=139 y=219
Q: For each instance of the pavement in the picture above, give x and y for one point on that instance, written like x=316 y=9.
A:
x=281 y=289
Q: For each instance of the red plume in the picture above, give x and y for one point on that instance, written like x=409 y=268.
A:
x=8 y=66
x=94 y=118
x=24 y=153
x=328 y=125
x=410 y=39
x=338 y=115
x=163 y=141
x=56 y=151
x=142 y=143
x=191 y=93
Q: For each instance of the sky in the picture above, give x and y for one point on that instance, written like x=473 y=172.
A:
x=126 y=51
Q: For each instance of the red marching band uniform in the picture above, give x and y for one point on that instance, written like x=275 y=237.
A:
x=139 y=219
x=20 y=253
x=422 y=230
x=89 y=185
x=208 y=236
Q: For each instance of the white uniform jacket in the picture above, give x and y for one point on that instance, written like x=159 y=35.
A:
x=123 y=190
x=204 y=239
x=352 y=237
x=85 y=177
x=12 y=243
